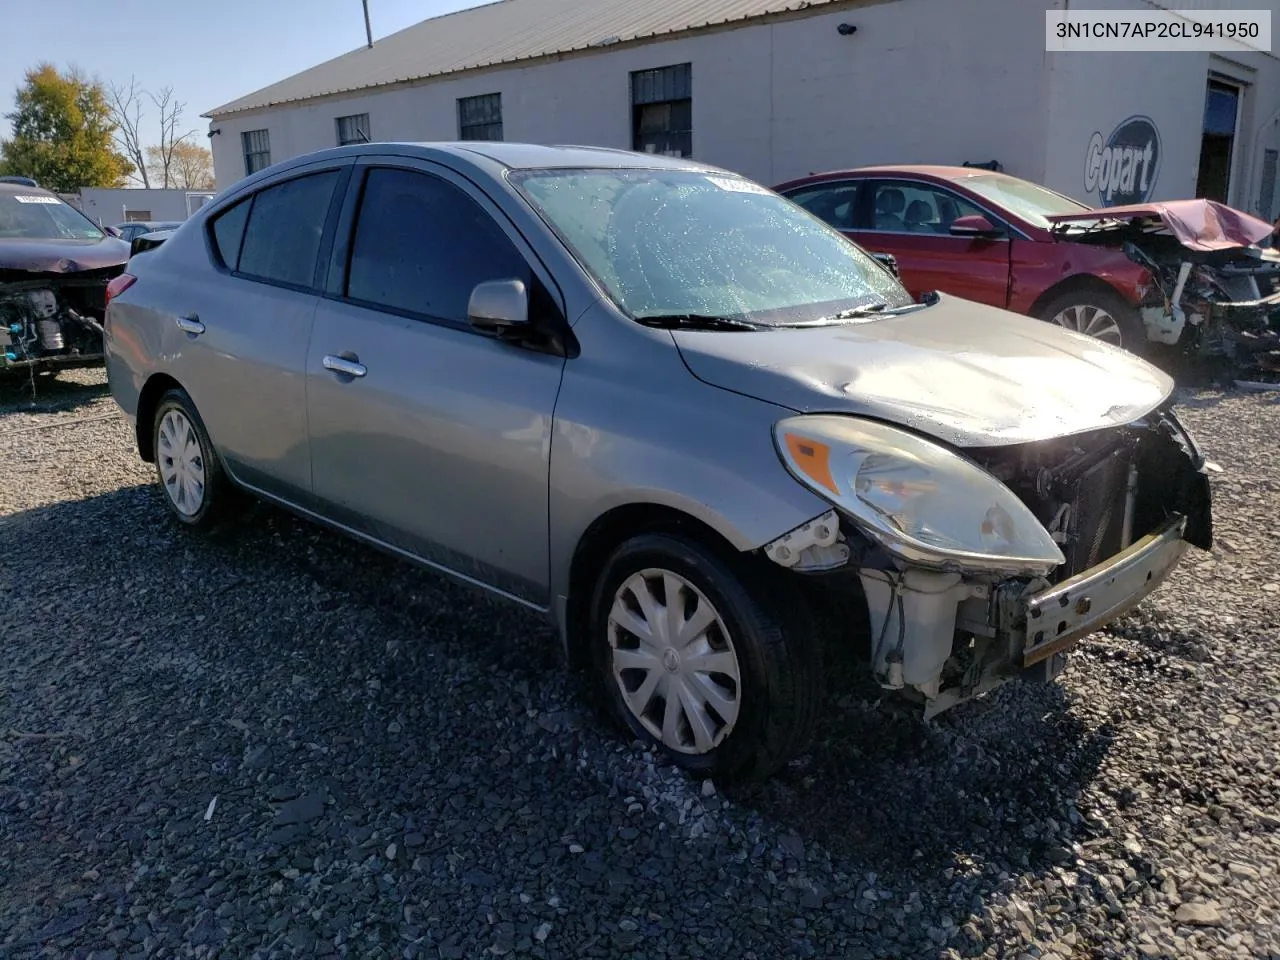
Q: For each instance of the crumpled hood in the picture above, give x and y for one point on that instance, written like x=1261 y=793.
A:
x=965 y=373
x=1204 y=225
x=61 y=256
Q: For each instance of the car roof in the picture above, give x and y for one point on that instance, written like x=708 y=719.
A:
x=938 y=171
x=479 y=157
x=537 y=156
x=928 y=170
x=22 y=188
x=499 y=155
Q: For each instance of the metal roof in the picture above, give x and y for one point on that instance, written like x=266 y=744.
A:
x=506 y=32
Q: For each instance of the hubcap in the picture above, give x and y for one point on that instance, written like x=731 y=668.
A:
x=181 y=463
x=1091 y=321
x=673 y=661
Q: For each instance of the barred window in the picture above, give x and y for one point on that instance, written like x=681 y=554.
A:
x=257 y=150
x=353 y=129
x=662 y=110
x=480 y=118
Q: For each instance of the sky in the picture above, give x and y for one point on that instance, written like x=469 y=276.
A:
x=209 y=53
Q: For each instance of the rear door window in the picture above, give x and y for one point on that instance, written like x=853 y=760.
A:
x=286 y=224
x=228 y=232
x=834 y=203
x=421 y=245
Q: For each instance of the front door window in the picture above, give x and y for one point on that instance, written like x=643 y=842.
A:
x=902 y=207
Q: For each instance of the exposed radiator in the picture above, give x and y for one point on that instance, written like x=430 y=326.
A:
x=1096 y=530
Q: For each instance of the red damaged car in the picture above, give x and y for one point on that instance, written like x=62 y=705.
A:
x=1188 y=273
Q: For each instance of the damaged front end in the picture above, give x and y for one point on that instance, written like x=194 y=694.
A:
x=1221 y=305
x=1115 y=511
x=1215 y=291
x=52 y=320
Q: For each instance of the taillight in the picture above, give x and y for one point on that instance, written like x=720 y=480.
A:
x=119 y=285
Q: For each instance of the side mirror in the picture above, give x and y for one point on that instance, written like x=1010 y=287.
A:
x=112 y=231
x=889 y=262
x=499 y=308
x=973 y=225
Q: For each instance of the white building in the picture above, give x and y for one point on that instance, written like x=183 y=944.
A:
x=108 y=206
x=781 y=88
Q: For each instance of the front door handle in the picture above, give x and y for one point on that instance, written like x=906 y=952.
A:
x=350 y=368
x=191 y=325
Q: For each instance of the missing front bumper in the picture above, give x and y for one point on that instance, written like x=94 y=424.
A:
x=1256 y=312
x=959 y=639
x=1060 y=616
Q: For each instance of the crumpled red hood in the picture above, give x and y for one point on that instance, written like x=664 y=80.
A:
x=1197 y=224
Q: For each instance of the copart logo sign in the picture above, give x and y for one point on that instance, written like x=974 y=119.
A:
x=1123 y=168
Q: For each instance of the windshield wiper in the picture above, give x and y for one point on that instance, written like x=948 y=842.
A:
x=860 y=313
x=853 y=313
x=696 y=321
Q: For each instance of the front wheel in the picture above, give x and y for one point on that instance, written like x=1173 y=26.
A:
x=702 y=662
x=1099 y=314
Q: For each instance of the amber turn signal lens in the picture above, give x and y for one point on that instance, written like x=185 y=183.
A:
x=814 y=458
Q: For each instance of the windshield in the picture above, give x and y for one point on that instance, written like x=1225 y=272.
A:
x=679 y=243
x=40 y=216
x=1029 y=201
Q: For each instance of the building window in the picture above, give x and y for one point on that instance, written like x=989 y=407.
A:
x=1217 y=144
x=257 y=150
x=353 y=129
x=662 y=110
x=480 y=118
x=1267 y=195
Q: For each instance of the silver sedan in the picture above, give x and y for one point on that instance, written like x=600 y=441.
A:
x=704 y=433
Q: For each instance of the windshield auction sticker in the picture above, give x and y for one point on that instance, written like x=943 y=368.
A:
x=1157 y=31
x=736 y=185
x=34 y=198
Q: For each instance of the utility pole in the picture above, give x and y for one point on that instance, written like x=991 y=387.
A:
x=368 y=30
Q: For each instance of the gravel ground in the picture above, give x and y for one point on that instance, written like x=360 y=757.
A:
x=274 y=742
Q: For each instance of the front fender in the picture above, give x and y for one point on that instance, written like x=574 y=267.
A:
x=644 y=431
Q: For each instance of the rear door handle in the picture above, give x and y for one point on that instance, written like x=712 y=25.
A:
x=342 y=365
x=191 y=325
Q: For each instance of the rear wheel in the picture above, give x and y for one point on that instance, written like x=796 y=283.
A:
x=697 y=663
x=194 y=484
x=1099 y=314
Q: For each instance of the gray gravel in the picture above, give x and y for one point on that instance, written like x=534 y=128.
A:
x=273 y=742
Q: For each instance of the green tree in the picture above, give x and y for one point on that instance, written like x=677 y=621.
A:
x=63 y=133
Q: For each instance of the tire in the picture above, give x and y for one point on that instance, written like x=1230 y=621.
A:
x=1084 y=309
x=191 y=478
x=753 y=628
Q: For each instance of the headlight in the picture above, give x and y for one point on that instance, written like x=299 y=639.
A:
x=918 y=499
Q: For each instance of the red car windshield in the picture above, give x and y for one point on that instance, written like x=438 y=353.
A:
x=1030 y=202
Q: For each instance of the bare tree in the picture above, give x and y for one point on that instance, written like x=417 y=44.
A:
x=126 y=112
x=170 y=122
x=190 y=166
